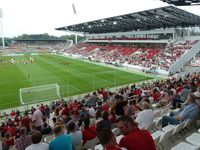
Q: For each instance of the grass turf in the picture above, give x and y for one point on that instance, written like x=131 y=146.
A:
x=74 y=78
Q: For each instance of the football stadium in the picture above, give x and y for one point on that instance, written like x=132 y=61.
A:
x=131 y=83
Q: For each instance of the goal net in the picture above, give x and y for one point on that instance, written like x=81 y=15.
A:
x=36 y=94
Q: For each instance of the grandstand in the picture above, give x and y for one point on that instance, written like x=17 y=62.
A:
x=157 y=39
x=34 y=45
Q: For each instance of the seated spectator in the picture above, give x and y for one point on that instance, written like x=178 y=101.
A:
x=131 y=108
x=7 y=141
x=61 y=141
x=23 y=141
x=3 y=129
x=76 y=136
x=188 y=112
x=12 y=129
x=36 y=138
x=145 y=117
x=108 y=140
x=134 y=138
x=164 y=98
x=89 y=132
x=182 y=96
x=46 y=129
x=197 y=94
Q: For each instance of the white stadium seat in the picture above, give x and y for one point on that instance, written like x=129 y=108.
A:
x=194 y=139
x=184 y=146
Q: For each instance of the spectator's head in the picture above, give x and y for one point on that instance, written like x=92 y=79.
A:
x=145 y=105
x=72 y=127
x=26 y=113
x=191 y=98
x=44 y=120
x=58 y=130
x=126 y=124
x=86 y=123
x=105 y=115
x=7 y=135
x=36 y=137
x=54 y=120
x=22 y=131
x=45 y=125
x=118 y=98
x=130 y=102
x=197 y=94
x=106 y=136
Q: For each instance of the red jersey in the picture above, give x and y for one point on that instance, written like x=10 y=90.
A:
x=138 y=140
x=88 y=134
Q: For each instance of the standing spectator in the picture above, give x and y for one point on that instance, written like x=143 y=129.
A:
x=36 y=138
x=91 y=111
x=134 y=138
x=33 y=110
x=61 y=141
x=23 y=141
x=47 y=111
x=26 y=122
x=12 y=114
x=145 y=117
x=105 y=123
x=93 y=99
x=76 y=136
x=37 y=119
x=120 y=104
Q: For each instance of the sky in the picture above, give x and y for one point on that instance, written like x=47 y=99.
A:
x=43 y=16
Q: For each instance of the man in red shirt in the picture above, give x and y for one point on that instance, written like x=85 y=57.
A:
x=108 y=140
x=134 y=138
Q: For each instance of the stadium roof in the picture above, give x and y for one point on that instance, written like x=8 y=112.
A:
x=164 y=17
x=182 y=2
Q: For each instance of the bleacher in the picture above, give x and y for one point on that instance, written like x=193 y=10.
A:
x=145 y=57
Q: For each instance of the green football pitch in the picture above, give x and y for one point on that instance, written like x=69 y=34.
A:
x=73 y=76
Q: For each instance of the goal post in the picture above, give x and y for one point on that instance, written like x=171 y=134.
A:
x=40 y=93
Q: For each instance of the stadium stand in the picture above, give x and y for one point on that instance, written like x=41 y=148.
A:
x=84 y=118
x=77 y=112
